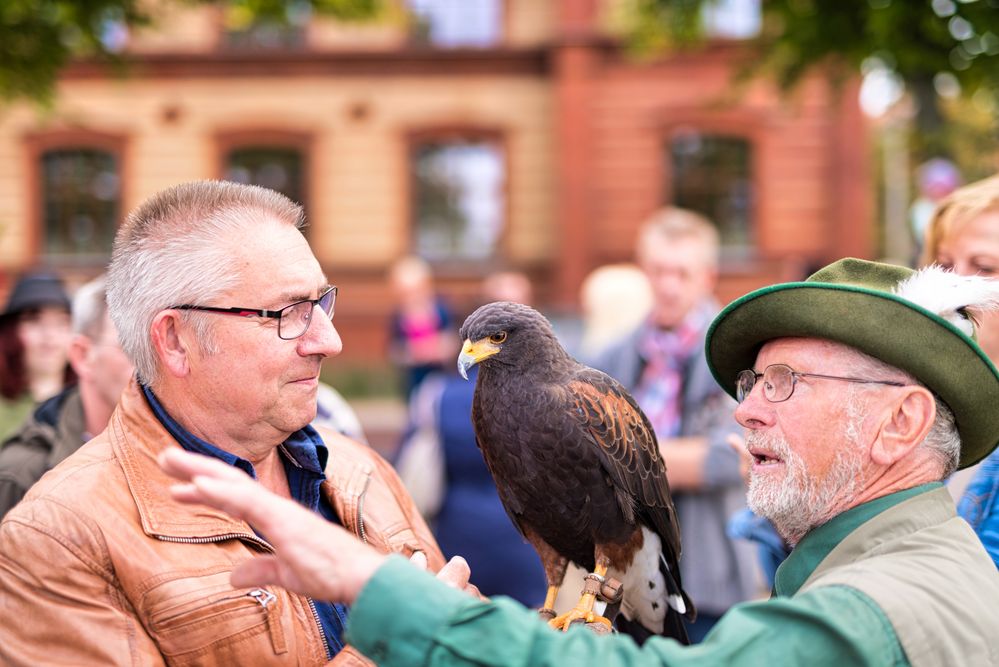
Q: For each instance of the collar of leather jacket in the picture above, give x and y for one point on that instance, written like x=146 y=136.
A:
x=137 y=437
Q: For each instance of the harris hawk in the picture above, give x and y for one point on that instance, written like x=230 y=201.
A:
x=578 y=469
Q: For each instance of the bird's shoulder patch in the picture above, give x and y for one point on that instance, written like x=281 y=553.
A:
x=606 y=408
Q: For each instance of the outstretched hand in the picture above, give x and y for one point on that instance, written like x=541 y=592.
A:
x=311 y=556
x=455 y=573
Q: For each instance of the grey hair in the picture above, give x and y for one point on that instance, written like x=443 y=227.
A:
x=89 y=305
x=943 y=441
x=170 y=251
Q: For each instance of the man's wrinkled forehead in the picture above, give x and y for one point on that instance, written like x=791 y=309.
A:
x=814 y=350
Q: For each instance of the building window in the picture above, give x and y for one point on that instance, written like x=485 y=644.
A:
x=459 y=199
x=456 y=23
x=81 y=201
x=284 y=29
x=280 y=169
x=732 y=19
x=712 y=174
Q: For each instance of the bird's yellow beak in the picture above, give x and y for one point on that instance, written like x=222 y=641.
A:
x=473 y=353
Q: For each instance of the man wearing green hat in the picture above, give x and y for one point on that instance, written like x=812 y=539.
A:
x=861 y=389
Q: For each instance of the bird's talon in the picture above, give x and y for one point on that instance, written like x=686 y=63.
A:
x=559 y=622
x=593 y=619
x=546 y=614
x=575 y=616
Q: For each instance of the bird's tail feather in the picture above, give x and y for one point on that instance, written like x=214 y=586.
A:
x=679 y=609
x=680 y=606
x=676 y=597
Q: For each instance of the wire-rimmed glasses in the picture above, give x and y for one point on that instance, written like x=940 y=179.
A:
x=779 y=381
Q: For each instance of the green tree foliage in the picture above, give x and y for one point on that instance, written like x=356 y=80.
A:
x=930 y=45
x=39 y=37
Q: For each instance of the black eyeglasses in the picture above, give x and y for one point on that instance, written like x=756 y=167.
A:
x=293 y=320
x=779 y=381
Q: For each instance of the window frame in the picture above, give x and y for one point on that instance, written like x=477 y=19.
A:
x=458 y=134
x=224 y=45
x=502 y=36
x=37 y=144
x=729 y=126
x=228 y=141
x=713 y=34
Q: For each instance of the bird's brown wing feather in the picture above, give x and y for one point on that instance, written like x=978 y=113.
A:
x=611 y=420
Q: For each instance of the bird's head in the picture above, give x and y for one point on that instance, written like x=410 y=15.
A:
x=508 y=334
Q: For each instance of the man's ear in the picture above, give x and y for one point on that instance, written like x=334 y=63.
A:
x=170 y=346
x=78 y=351
x=910 y=419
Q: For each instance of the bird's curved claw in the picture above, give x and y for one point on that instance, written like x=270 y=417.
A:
x=573 y=616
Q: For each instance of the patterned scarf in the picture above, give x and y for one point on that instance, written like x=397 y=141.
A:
x=666 y=352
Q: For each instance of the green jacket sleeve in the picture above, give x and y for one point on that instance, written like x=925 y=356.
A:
x=404 y=618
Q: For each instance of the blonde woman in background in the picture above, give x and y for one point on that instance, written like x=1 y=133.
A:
x=964 y=235
x=615 y=299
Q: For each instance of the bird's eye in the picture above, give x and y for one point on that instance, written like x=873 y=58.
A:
x=498 y=338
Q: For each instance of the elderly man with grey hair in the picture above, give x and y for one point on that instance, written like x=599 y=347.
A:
x=227 y=316
x=61 y=424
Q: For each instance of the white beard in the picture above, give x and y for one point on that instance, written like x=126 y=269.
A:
x=801 y=501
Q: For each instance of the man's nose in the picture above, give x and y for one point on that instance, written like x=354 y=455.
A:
x=321 y=337
x=755 y=411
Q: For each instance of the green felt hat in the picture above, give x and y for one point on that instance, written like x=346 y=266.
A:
x=852 y=302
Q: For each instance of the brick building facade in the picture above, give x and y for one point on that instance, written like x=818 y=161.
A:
x=536 y=143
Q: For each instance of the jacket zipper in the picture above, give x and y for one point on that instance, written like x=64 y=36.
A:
x=264 y=598
x=361 y=534
x=268 y=547
x=360 y=505
x=319 y=624
x=218 y=538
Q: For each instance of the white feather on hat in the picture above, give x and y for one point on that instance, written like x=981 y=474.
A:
x=951 y=296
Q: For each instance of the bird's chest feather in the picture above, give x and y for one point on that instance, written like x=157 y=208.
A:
x=521 y=432
x=547 y=474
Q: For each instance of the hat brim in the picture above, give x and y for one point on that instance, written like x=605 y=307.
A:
x=882 y=325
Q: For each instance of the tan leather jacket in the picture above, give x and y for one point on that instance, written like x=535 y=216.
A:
x=99 y=566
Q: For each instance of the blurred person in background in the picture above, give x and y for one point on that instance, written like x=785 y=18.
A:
x=615 y=299
x=442 y=466
x=422 y=337
x=34 y=343
x=963 y=235
x=61 y=424
x=507 y=286
x=333 y=411
x=662 y=362
x=935 y=179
